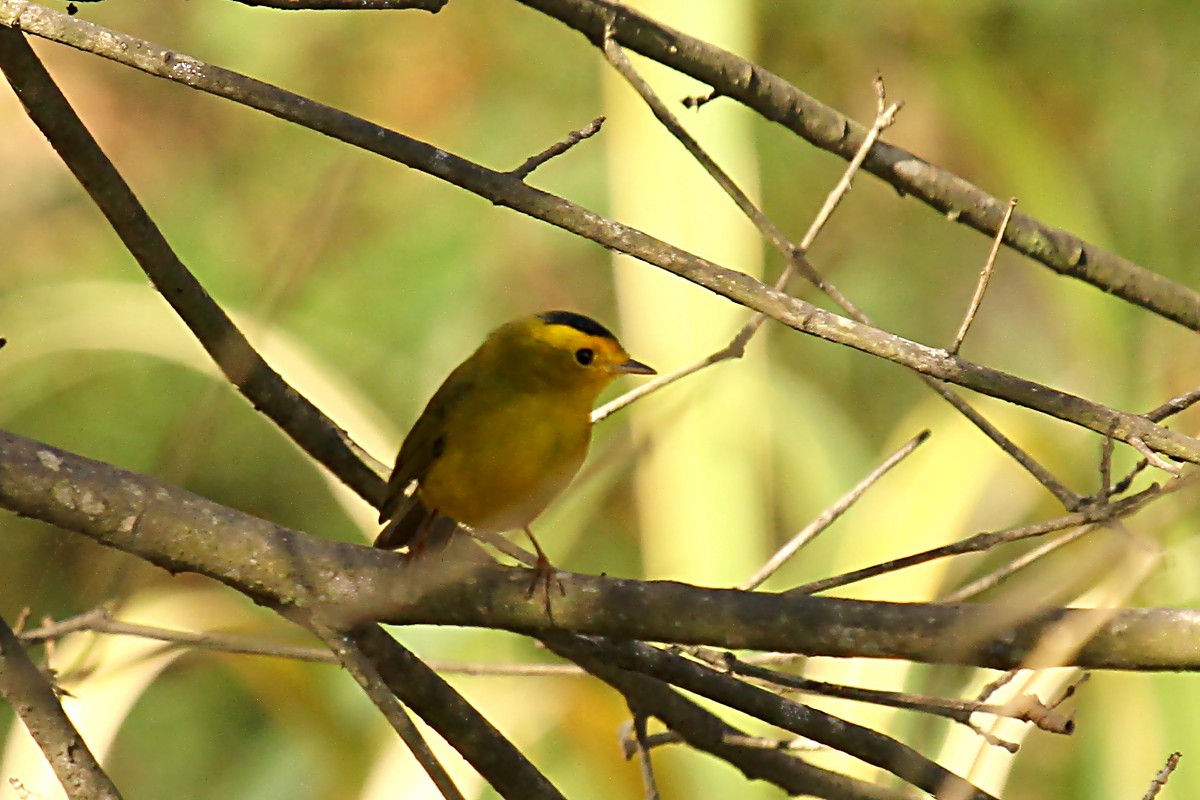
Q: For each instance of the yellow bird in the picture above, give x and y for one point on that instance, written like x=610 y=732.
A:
x=504 y=434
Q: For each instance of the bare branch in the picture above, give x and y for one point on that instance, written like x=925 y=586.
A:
x=1154 y=459
x=503 y=189
x=986 y=541
x=831 y=514
x=1160 y=780
x=435 y=701
x=985 y=276
x=779 y=101
x=643 y=754
x=1010 y=568
x=99 y=620
x=344 y=648
x=180 y=531
x=32 y=697
x=315 y=433
x=661 y=381
x=797 y=261
x=795 y=255
x=1028 y=709
x=1174 y=405
x=557 y=149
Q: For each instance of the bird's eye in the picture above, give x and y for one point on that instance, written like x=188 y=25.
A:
x=584 y=355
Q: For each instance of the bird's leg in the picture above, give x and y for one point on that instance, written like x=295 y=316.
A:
x=420 y=540
x=544 y=573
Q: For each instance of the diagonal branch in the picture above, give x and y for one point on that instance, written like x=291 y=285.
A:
x=707 y=732
x=445 y=710
x=779 y=101
x=303 y=422
x=862 y=743
x=33 y=699
x=351 y=658
x=506 y=190
x=797 y=262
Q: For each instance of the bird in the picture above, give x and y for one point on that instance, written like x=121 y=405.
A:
x=504 y=434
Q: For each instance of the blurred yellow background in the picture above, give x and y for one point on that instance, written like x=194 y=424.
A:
x=364 y=282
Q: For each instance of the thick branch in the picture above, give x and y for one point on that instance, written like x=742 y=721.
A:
x=428 y=694
x=363 y=670
x=779 y=101
x=504 y=189
x=180 y=531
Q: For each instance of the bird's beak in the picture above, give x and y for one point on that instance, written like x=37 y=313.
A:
x=632 y=367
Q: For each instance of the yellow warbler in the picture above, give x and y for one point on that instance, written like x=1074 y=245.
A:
x=505 y=433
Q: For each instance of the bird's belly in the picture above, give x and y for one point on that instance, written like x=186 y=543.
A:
x=502 y=481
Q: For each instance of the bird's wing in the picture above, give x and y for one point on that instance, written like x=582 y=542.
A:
x=423 y=445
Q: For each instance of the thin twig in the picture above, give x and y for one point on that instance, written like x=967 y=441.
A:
x=795 y=255
x=616 y=57
x=99 y=620
x=1002 y=680
x=885 y=117
x=1022 y=561
x=1009 y=568
x=1160 y=780
x=31 y=696
x=1154 y=458
x=1106 y=453
x=986 y=541
x=1174 y=405
x=346 y=650
x=645 y=765
x=985 y=276
x=1071 y=689
x=557 y=149
x=831 y=514
x=660 y=381
x=502 y=544
x=779 y=101
x=1029 y=709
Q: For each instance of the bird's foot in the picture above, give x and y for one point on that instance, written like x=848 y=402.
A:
x=544 y=574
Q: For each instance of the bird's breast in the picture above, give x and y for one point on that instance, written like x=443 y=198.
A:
x=507 y=461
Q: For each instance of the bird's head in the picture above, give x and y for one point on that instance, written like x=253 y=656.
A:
x=564 y=350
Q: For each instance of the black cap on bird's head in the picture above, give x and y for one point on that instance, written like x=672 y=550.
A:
x=577 y=321
x=616 y=360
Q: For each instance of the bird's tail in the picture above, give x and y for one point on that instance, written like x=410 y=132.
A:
x=418 y=528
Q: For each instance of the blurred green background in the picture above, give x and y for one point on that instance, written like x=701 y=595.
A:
x=365 y=282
